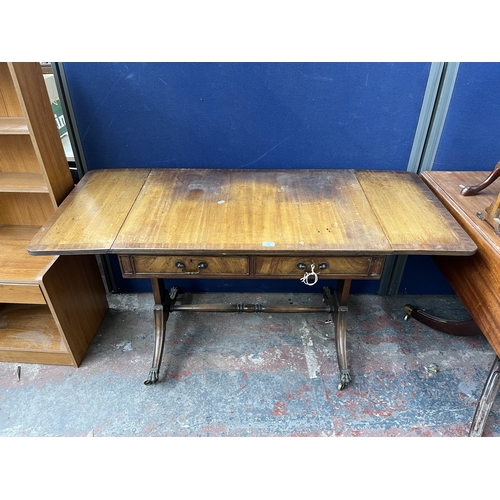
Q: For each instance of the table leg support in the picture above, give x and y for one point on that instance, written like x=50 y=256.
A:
x=458 y=328
x=488 y=395
x=336 y=302
x=163 y=301
x=339 y=301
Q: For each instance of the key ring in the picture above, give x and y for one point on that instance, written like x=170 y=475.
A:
x=305 y=278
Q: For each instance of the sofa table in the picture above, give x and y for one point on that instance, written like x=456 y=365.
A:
x=309 y=225
x=476 y=279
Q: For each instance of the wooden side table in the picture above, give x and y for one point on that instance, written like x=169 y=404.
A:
x=475 y=279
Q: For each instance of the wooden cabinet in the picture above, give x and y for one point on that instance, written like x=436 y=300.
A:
x=50 y=307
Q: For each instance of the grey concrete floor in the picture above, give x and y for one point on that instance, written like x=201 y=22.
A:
x=258 y=375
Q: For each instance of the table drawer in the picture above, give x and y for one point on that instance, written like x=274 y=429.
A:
x=369 y=267
x=139 y=265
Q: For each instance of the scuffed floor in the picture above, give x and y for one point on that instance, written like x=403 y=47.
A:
x=258 y=375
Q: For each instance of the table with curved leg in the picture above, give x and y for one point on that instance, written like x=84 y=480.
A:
x=475 y=279
x=318 y=227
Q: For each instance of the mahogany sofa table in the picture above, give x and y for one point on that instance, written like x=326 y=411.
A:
x=476 y=279
x=310 y=225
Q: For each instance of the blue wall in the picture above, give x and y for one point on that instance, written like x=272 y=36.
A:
x=242 y=115
x=471 y=133
x=279 y=115
x=470 y=141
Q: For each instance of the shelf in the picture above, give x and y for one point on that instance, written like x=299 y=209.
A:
x=29 y=334
x=16 y=264
x=50 y=307
x=30 y=209
x=24 y=182
x=15 y=125
x=17 y=154
x=29 y=327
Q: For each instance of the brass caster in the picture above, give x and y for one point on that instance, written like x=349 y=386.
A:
x=408 y=309
x=345 y=378
x=152 y=377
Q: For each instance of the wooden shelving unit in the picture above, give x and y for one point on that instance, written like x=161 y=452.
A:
x=50 y=307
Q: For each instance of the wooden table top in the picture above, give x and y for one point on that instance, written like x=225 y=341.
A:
x=446 y=185
x=160 y=211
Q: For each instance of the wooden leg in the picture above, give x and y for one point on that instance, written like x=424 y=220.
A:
x=339 y=301
x=163 y=301
x=488 y=395
x=459 y=328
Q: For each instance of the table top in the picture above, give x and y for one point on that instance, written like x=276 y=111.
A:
x=165 y=210
x=447 y=186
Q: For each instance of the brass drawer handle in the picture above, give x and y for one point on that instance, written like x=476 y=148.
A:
x=302 y=266
x=201 y=265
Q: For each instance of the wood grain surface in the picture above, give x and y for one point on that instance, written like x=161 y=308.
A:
x=37 y=111
x=25 y=182
x=154 y=265
x=341 y=266
x=413 y=219
x=77 y=314
x=165 y=211
x=30 y=328
x=17 y=154
x=9 y=102
x=90 y=217
x=251 y=211
x=16 y=265
x=18 y=293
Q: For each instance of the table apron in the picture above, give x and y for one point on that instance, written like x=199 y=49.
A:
x=251 y=266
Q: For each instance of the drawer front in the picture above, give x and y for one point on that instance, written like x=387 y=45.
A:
x=21 y=294
x=367 y=267
x=135 y=265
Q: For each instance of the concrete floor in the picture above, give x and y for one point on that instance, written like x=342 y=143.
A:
x=258 y=375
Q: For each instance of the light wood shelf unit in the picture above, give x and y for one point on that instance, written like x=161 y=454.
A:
x=50 y=307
